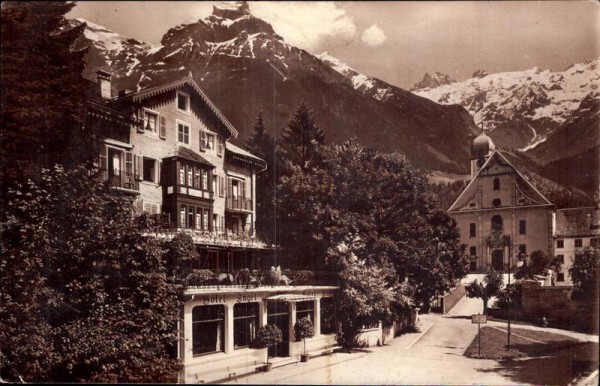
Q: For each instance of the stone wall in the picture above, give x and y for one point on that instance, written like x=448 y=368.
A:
x=556 y=304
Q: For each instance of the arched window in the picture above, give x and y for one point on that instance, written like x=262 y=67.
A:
x=496 y=203
x=496 y=183
x=497 y=223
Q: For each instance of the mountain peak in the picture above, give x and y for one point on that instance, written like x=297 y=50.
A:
x=432 y=81
x=231 y=10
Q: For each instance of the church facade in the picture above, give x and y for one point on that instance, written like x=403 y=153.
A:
x=501 y=215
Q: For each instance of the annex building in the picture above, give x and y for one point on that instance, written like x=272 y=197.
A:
x=169 y=147
x=501 y=215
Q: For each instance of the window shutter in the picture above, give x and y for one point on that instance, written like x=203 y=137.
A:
x=139 y=167
x=229 y=188
x=142 y=119
x=242 y=189
x=202 y=140
x=103 y=159
x=221 y=186
x=129 y=164
x=163 y=128
x=158 y=170
x=219 y=147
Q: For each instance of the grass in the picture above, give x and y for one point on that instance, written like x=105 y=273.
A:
x=493 y=344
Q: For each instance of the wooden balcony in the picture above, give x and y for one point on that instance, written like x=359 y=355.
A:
x=238 y=204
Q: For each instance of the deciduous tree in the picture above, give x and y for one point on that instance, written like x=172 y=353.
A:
x=491 y=286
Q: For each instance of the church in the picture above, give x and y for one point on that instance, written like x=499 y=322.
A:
x=501 y=215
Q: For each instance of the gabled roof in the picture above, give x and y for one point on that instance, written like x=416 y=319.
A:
x=190 y=155
x=524 y=184
x=573 y=222
x=188 y=80
x=244 y=156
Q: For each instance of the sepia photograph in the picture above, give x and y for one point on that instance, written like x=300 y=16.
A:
x=300 y=192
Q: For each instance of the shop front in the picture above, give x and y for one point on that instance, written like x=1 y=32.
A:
x=219 y=326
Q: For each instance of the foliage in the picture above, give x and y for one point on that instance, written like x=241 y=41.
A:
x=304 y=329
x=267 y=336
x=509 y=296
x=300 y=277
x=199 y=277
x=585 y=273
x=298 y=221
x=491 y=286
x=180 y=252
x=537 y=264
x=261 y=144
x=43 y=100
x=88 y=298
x=447 y=193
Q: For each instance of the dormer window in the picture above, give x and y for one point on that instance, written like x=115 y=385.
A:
x=183 y=102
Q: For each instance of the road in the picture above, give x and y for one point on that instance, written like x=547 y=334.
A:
x=434 y=356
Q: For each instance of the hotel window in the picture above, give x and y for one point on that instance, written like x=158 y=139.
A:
x=190 y=220
x=214 y=184
x=560 y=243
x=208 y=329
x=149 y=167
x=594 y=242
x=182 y=214
x=578 y=243
x=496 y=184
x=522 y=249
x=150 y=121
x=496 y=203
x=181 y=175
x=190 y=173
x=197 y=178
x=522 y=227
x=472 y=230
x=560 y=276
x=204 y=179
x=183 y=102
x=305 y=310
x=473 y=251
x=205 y=220
x=210 y=142
x=245 y=322
x=198 y=218
x=183 y=133
x=560 y=258
x=327 y=316
x=497 y=223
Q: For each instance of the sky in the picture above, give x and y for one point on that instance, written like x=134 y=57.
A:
x=397 y=42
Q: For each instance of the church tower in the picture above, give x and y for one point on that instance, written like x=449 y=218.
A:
x=482 y=148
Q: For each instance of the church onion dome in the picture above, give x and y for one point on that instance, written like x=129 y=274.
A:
x=482 y=146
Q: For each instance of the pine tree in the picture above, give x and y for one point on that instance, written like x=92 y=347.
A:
x=261 y=144
x=43 y=93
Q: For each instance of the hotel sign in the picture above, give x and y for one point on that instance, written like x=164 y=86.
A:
x=477 y=319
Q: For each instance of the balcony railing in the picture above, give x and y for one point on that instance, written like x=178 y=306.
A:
x=248 y=278
x=122 y=179
x=218 y=237
x=238 y=203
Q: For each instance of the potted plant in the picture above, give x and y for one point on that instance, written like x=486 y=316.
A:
x=268 y=336
x=304 y=329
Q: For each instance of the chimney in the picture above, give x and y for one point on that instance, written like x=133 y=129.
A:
x=103 y=81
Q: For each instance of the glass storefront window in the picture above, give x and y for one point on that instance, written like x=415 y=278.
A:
x=305 y=310
x=208 y=329
x=327 y=316
x=245 y=322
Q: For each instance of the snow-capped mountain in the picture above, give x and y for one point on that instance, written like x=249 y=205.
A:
x=520 y=108
x=109 y=50
x=431 y=81
x=245 y=66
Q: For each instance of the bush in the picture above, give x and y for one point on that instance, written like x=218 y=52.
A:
x=199 y=277
x=268 y=336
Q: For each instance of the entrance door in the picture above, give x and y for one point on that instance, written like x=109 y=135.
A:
x=278 y=314
x=498 y=260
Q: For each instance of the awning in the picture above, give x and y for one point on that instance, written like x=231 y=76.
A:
x=289 y=298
